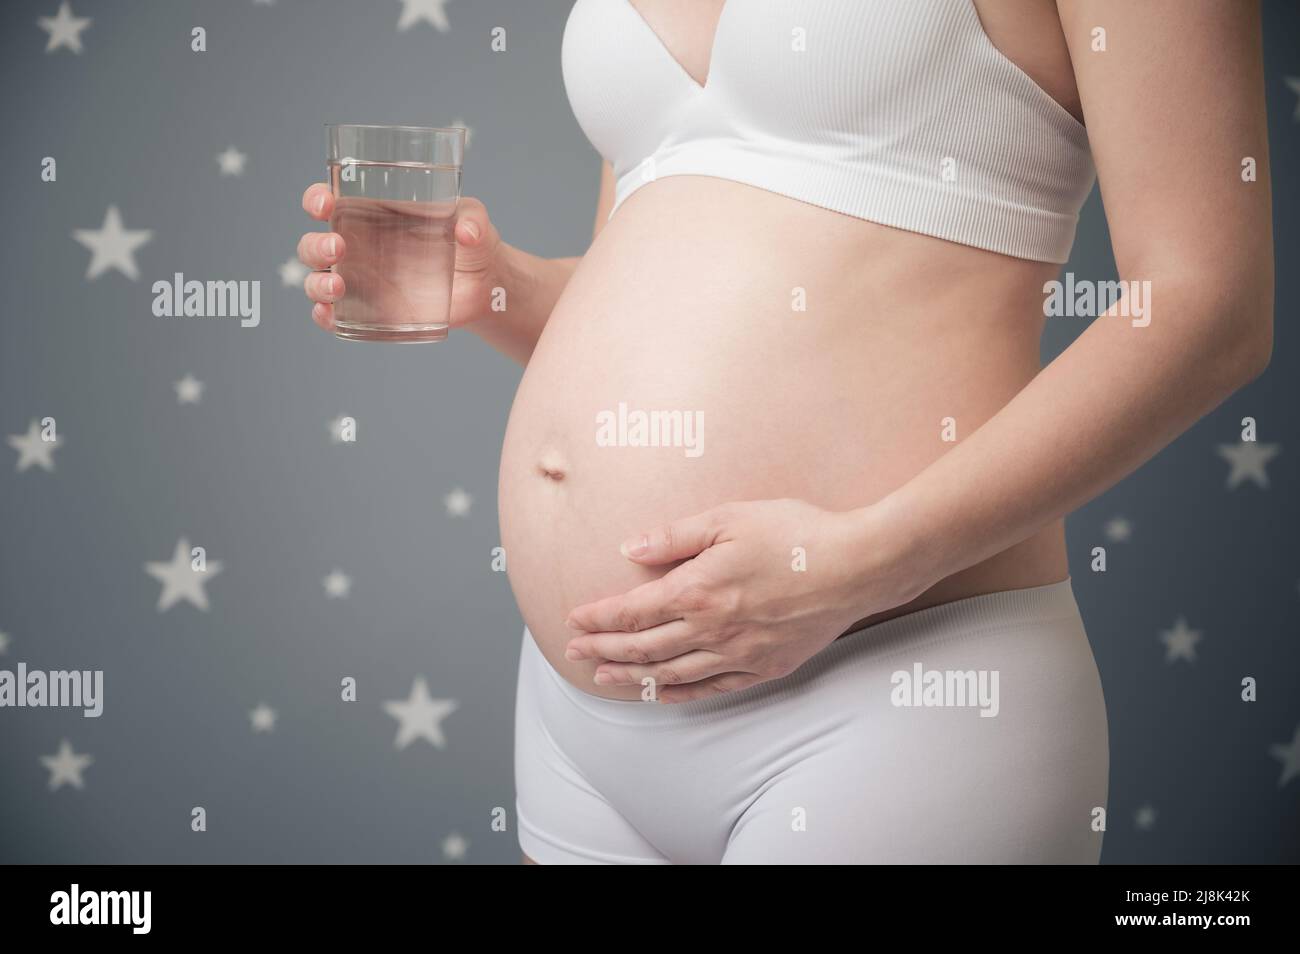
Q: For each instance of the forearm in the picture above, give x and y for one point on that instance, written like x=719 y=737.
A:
x=1111 y=401
x=529 y=288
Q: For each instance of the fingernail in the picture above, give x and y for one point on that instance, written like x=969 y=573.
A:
x=320 y=204
x=633 y=548
x=603 y=679
x=574 y=655
x=331 y=246
x=471 y=228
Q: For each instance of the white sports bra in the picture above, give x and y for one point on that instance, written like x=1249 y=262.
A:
x=902 y=112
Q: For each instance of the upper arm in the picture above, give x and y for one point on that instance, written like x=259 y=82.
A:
x=605 y=203
x=1174 y=105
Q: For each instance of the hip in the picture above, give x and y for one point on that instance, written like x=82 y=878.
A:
x=969 y=731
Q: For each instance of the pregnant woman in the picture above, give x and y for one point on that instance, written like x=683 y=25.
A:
x=783 y=486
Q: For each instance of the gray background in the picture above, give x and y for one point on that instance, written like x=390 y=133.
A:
x=251 y=474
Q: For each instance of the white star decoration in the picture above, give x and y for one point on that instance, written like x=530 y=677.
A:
x=189 y=390
x=66 y=767
x=1145 y=818
x=293 y=273
x=1119 y=530
x=1294 y=83
x=231 y=162
x=457 y=503
x=420 y=716
x=337 y=585
x=180 y=580
x=429 y=11
x=1289 y=756
x=32 y=449
x=64 y=29
x=112 y=246
x=1180 y=642
x=263 y=718
x=1248 y=460
x=454 y=846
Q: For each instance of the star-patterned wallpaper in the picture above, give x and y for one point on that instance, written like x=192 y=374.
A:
x=277 y=548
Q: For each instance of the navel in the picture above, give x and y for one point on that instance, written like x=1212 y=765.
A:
x=552 y=466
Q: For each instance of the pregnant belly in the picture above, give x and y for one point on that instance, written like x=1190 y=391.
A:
x=719 y=343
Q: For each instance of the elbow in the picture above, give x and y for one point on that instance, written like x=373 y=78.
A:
x=1257 y=295
x=1243 y=347
x=1239 y=361
x=1254 y=349
x=1258 y=355
x=1224 y=312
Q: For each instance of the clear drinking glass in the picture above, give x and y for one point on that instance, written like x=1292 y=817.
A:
x=396 y=189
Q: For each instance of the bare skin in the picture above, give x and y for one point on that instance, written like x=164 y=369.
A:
x=823 y=428
x=986 y=513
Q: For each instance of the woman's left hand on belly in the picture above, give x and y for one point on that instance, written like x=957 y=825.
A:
x=765 y=586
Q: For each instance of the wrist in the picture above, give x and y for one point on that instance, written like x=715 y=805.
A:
x=891 y=563
x=505 y=280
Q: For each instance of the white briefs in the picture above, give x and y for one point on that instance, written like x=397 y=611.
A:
x=971 y=732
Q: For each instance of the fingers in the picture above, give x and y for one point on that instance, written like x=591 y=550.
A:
x=320 y=250
x=707 y=688
x=679 y=540
x=661 y=642
x=692 y=667
x=318 y=201
x=324 y=287
x=323 y=315
x=647 y=605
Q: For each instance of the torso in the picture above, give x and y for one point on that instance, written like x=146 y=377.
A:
x=687 y=301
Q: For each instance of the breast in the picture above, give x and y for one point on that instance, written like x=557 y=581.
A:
x=787 y=351
x=901 y=112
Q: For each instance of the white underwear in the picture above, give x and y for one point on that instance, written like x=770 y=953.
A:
x=971 y=732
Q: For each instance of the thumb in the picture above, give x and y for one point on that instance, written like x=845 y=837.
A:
x=679 y=540
x=476 y=238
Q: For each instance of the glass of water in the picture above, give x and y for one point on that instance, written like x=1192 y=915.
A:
x=396 y=189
